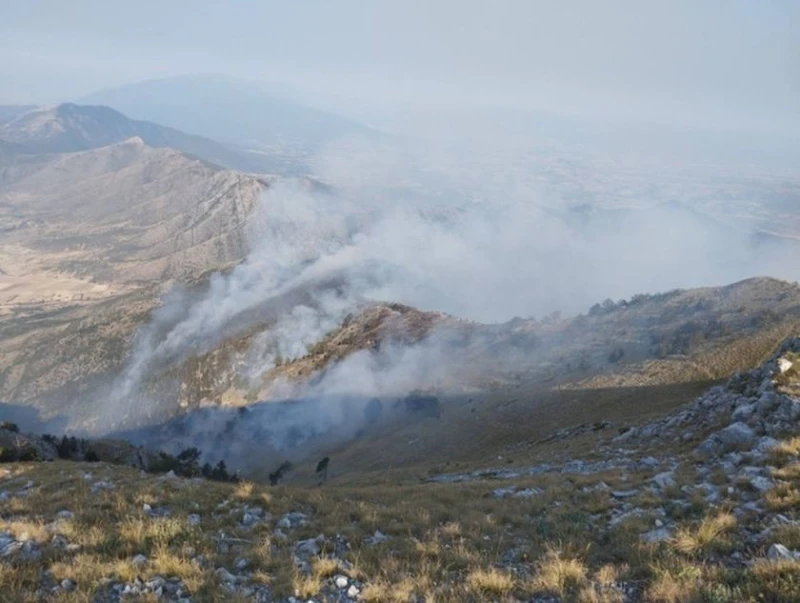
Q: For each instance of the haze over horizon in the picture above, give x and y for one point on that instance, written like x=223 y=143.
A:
x=717 y=65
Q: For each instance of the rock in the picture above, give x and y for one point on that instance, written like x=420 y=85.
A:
x=139 y=561
x=353 y=591
x=650 y=462
x=171 y=474
x=376 y=538
x=503 y=492
x=29 y=551
x=341 y=581
x=744 y=412
x=249 y=520
x=68 y=585
x=767 y=402
x=766 y=444
x=255 y=511
x=761 y=483
x=624 y=493
x=155 y=583
x=657 y=535
x=193 y=520
x=241 y=564
x=225 y=576
x=627 y=435
x=6 y=538
x=65 y=514
x=784 y=364
x=292 y=520
x=658 y=523
x=309 y=548
x=736 y=436
x=527 y=493
x=664 y=480
x=101 y=485
x=778 y=552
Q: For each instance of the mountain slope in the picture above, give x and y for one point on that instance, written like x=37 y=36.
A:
x=701 y=505
x=68 y=128
x=91 y=239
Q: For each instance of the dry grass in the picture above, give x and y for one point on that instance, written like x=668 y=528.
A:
x=448 y=542
x=490 y=582
x=709 y=534
x=382 y=591
x=677 y=584
x=784 y=452
x=558 y=574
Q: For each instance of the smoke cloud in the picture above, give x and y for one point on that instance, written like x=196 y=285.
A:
x=483 y=237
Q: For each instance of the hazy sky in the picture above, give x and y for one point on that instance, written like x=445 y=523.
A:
x=732 y=63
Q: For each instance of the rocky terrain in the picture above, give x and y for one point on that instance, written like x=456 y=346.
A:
x=698 y=505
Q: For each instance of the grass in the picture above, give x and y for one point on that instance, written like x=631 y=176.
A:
x=490 y=582
x=557 y=574
x=710 y=535
x=447 y=542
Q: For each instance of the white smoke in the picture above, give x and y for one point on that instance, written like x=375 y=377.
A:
x=437 y=232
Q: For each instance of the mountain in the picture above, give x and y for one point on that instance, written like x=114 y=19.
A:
x=229 y=110
x=94 y=237
x=69 y=127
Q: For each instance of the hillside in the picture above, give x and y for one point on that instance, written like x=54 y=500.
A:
x=698 y=505
x=89 y=242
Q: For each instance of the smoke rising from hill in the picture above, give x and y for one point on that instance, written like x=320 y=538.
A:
x=436 y=232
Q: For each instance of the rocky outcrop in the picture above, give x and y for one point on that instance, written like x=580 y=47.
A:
x=744 y=415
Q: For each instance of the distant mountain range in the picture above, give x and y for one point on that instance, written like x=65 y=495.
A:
x=68 y=128
x=229 y=110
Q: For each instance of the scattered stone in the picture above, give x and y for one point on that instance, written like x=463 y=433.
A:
x=353 y=591
x=68 y=585
x=293 y=520
x=309 y=548
x=65 y=514
x=657 y=535
x=761 y=483
x=241 y=564
x=737 y=436
x=528 y=493
x=664 y=480
x=341 y=581
x=778 y=552
x=376 y=538
x=624 y=493
x=193 y=519
x=139 y=561
x=225 y=576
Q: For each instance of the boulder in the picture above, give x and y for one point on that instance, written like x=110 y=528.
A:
x=736 y=436
x=778 y=552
